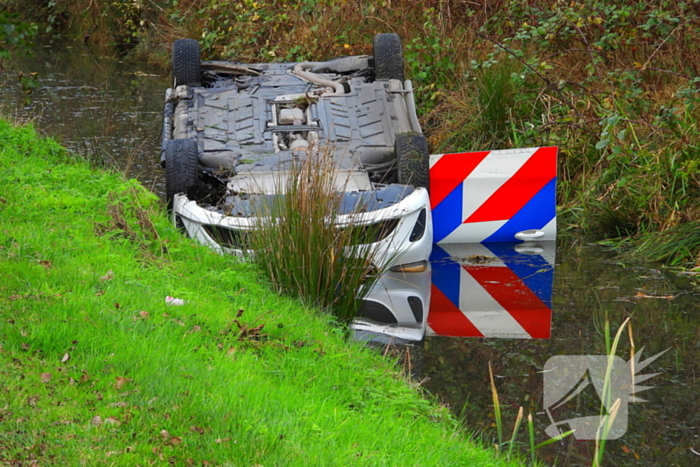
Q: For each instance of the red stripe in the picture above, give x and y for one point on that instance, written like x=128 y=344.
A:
x=451 y=170
x=515 y=297
x=445 y=319
x=510 y=198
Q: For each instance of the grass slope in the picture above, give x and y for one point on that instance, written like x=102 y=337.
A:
x=96 y=369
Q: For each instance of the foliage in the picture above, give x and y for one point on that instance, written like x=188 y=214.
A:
x=619 y=79
x=14 y=34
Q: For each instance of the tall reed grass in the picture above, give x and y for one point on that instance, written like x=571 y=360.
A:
x=301 y=248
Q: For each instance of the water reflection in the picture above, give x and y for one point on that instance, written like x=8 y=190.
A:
x=513 y=312
x=395 y=309
x=95 y=103
x=492 y=290
x=471 y=290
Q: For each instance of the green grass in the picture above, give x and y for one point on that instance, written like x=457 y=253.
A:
x=95 y=368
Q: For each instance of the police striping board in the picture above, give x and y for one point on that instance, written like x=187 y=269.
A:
x=494 y=196
x=501 y=290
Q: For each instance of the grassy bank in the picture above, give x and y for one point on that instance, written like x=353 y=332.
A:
x=96 y=369
x=614 y=84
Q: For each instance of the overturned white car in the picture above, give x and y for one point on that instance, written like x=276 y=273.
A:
x=232 y=132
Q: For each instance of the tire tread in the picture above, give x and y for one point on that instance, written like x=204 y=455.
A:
x=186 y=62
x=412 y=159
x=181 y=167
x=388 y=57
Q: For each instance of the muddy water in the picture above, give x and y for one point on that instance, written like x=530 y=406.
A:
x=95 y=103
x=109 y=110
x=589 y=288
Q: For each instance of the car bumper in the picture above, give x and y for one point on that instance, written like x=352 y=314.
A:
x=405 y=245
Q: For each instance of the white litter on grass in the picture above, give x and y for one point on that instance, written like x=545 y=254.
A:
x=174 y=301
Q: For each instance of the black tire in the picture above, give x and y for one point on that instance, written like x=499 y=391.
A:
x=181 y=167
x=412 y=159
x=388 y=57
x=187 y=68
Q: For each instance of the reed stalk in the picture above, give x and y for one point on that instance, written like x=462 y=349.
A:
x=516 y=427
x=607 y=421
x=531 y=433
x=496 y=409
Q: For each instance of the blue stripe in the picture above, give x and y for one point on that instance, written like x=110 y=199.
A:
x=447 y=215
x=445 y=274
x=533 y=270
x=537 y=213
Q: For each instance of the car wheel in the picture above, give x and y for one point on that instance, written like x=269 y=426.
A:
x=412 y=159
x=186 y=63
x=181 y=167
x=388 y=57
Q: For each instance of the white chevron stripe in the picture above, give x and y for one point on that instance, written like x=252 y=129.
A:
x=490 y=175
x=473 y=232
x=485 y=313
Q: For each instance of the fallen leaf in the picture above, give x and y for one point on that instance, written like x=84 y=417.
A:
x=625 y=449
x=25 y=346
x=108 y=277
x=96 y=420
x=117 y=306
x=99 y=293
x=175 y=440
x=121 y=381
x=65 y=358
x=143 y=314
x=112 y=421
x=46 y=264
x=197 y=429
x=45 y=377
x=118 y=404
